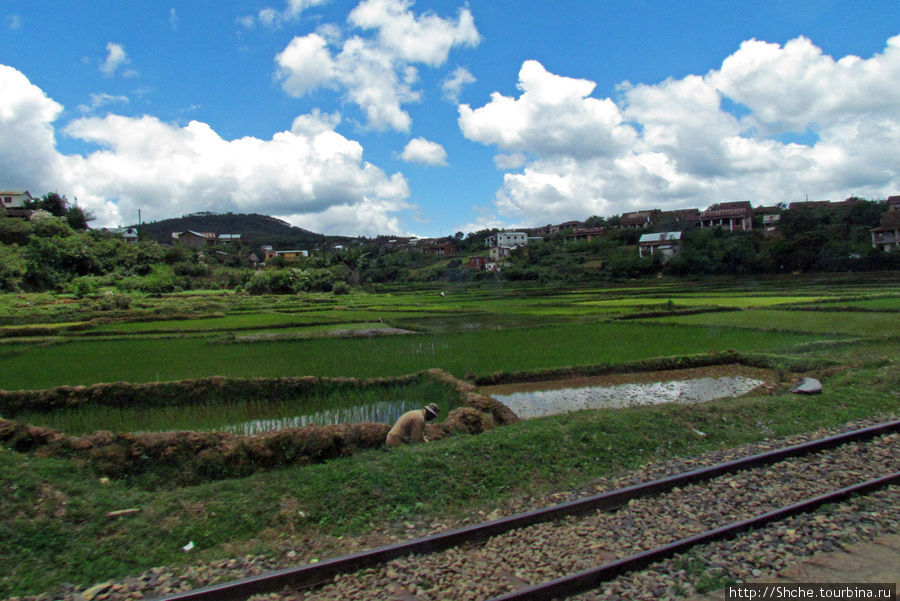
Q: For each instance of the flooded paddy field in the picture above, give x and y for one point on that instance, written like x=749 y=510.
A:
x=540 y=399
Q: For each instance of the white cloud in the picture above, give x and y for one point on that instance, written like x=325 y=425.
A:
x=271 y=17
x=100 y=100
x=311 y=173
x=379 y=73
x=305 y=64
x=173 y=19
x=674 y=144
x=427 y=38
x=812 y=88
x=14 y=22
x=510 y=161
x=454 y=84
x=27 y=138
x=420 y=150
x=115 y=58
x=553 y=116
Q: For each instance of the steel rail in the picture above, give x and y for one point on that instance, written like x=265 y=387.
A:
x=592 y=578
x=324 y=571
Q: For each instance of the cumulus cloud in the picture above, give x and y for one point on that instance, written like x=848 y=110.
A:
x=426 y=38
x=115 y=57
x=310 y=174
x=420 y=150
x=377 y=73
x=454 y=84
x=27 y=137
x=554 y=115
x=676 y=144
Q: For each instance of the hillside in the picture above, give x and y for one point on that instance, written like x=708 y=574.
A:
x=254 y=230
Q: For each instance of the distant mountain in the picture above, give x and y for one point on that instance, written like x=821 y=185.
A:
x=254 y=230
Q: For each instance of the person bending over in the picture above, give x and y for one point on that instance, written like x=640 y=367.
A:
x=411 y=426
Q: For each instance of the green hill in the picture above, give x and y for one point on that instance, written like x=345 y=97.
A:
x=254 y=230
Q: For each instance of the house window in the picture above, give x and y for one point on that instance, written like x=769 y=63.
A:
x=7 y=199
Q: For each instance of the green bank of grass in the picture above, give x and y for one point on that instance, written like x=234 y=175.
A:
x=477 y=352
x=54 y=529
x=825 y=322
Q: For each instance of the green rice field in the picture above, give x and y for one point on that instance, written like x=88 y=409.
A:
x=84 y=362
x=826 y=322
x=244 y=416
x=55 y=517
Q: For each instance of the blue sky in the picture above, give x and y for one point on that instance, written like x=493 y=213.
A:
x=426 y=118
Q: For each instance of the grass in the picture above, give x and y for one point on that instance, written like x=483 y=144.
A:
x=53 y=525
x=53 y=519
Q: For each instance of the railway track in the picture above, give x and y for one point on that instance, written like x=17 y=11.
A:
x=520 y=558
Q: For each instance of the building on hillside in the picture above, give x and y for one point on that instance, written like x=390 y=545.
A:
x=732 y=216
x=886 y=237
x=477 y=262
x=14 y=199
x=287 y=255
x=193 y=239
x=666 y=244
x=506 y=239
x=584 y=234
x=439 y=247
x=12 y=203
x=680 y=217
x=809 y=204
x=639 y=219
x=502 y=243
x=128 y=234
x=770 y=222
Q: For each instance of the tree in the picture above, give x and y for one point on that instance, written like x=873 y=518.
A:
x=78 y=218
x=52 y=202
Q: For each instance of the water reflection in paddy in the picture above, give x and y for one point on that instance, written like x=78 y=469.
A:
x=540 y=403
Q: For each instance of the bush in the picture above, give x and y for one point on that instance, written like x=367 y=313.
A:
x=340 y=288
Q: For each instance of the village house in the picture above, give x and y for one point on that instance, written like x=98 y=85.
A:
x=15 y=199
x=639 y=219
x=193 y=239
x=440 y=247
x=502 y=243
x=666 y=244
x=12 y=203
x=287 y=255
x=732 y=216
x=128 y=234
x=477 y=262
x=681 y=217
x=886 y=237
x=584 y=234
